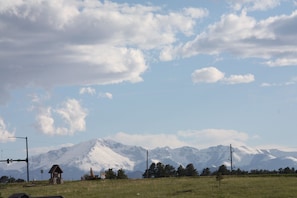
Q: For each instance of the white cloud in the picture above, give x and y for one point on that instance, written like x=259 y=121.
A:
x=74 y=42
x=40 y=150
x=87 y=90
x=237 y=79
x=279 y=147
x=148 y=140
x=92 y=91
x=38 y=98
x=105 y=95
x=241 y=35
x=213 y=75
x=72 y=114
x=282 y=62
x=207 y=75
x=196 y=12
x=196 y=138
x=293 y=81
x=5 y=135
x=265 y=84
x=252 y=5
x=211 y=137
x=45 y=121
x=168 y=53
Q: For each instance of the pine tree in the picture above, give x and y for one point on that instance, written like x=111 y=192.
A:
x=151 y=172
x=205 y=172
x=160 y=170
x=110 y=174
x=181 y=172
x=170 y=171
x=191 y=171
x=223 y=170
x=121 y=174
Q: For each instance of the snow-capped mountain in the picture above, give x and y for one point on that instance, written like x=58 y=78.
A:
x=100 y=155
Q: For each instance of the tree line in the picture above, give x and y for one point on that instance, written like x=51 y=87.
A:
x=160 y=170
x=6 y=179
x=120 y=174
x=108 y=174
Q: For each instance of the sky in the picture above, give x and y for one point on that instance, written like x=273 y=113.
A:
x=147 y=73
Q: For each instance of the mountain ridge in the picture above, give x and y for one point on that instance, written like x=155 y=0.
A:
x=102 y=154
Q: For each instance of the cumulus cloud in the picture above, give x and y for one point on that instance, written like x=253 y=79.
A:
x=213 y=75
x=71 y=42
x=272 y=39
x=72 y=114
x=196 y=12
x=45 y=121
x=207 y=75
x=5 y=134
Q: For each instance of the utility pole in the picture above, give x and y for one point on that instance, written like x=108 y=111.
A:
x=231 y=160
x=27 y=156
x=147 y=171
x=27 y=159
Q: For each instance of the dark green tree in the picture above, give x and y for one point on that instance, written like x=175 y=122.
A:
x=4 y=179
x=181 y=171
x=11 y=180
x=288 y=170
x=20 y=180
x=170 y=171
x=239 y=172
x=121 y=174
x=191 y=171
x=151 y=172
x=205 y=172
x=145 y=174
x=160 y=170
x=223 y=170
x=110 y=174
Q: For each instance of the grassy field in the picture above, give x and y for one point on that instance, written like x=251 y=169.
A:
x=166 y=187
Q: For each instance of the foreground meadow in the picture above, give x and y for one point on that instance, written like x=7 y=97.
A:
x=166 y=187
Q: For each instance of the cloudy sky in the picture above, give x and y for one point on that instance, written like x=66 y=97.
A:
x=155 y=73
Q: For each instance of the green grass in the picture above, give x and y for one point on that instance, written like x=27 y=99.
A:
x=166 y=187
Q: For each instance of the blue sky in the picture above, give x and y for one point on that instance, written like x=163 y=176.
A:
x=156 y=73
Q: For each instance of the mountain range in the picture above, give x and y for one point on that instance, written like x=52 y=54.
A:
x=102 y=154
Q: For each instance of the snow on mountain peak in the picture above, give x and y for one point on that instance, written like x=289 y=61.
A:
x=248 y=150
x=102 y=154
